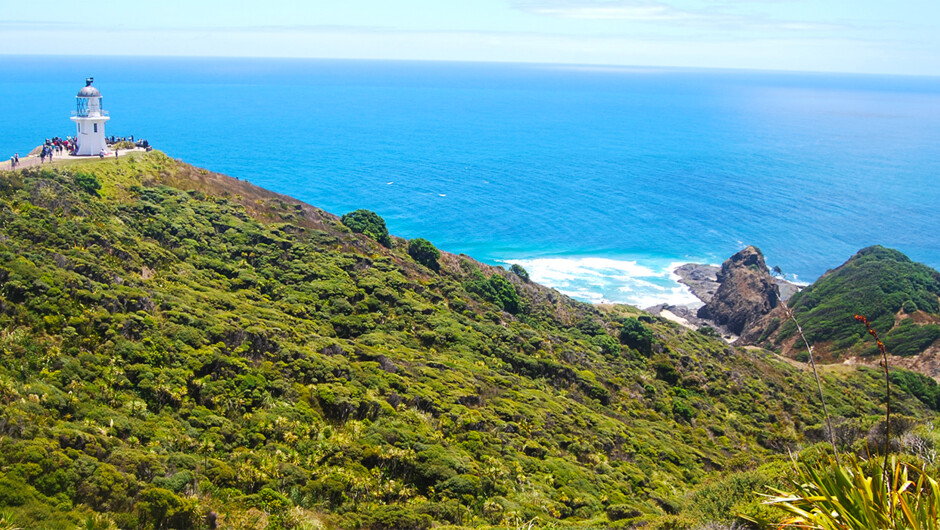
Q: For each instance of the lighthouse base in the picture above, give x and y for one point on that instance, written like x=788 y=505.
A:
x=89 y=136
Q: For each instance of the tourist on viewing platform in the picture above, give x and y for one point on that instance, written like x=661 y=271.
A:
x=12 y=162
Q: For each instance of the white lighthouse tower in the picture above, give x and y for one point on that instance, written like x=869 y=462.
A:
x=89 y=119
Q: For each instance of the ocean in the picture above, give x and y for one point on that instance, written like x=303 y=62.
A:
x=597 y=180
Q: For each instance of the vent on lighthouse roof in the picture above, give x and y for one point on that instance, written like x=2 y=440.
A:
x=89 y=91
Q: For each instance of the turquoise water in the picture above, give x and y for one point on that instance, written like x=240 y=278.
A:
x=597 y=180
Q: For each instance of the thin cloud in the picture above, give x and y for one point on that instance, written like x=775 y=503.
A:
x=714 y=15
x=627 y=12
x=36 y=25
x=616 y=10
x=812 y=26
x=270 y=28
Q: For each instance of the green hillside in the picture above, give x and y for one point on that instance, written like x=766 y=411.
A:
x=179 y=349
x=900 y=298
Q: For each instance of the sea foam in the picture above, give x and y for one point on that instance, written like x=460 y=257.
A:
x=642 y=283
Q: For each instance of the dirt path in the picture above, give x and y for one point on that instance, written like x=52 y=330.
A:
x=34 y=160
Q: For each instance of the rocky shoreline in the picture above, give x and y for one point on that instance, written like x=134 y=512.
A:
x=703 y=281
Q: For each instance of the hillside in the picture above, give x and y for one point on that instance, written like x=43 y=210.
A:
x=899 y=296
x=180 y=349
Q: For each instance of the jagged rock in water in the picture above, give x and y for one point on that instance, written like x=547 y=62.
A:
x=746 y=293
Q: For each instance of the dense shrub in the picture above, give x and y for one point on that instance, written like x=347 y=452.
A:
x=666 y=371
x=160 y=508
x=920 y=386
x=709 y=331
x=519 y=271
x=616 y=512
x=368 y=223
x=398 y=518
x=607 y=344
x=637 y=336
x=504 y=294
x=460 y=485
x=908 y=338
x=422 y=251
x=729 y=495
x=87 y=182
x=495 y=289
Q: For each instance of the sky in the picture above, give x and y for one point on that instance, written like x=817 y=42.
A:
x=856 y=36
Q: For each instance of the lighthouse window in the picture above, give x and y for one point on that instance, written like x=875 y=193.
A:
x=96 y=127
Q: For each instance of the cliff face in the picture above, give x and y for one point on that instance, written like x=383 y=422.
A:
x=746 y=293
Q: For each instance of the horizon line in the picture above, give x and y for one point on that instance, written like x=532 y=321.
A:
x=482 y=62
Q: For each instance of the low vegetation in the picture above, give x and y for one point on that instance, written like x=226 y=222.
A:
x=898 y=295
x=183 y=350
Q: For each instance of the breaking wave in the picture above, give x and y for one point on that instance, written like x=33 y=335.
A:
x=642 y=283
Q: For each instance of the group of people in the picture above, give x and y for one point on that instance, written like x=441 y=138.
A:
x=115 y=139
x=57 y=145
x=111 y=140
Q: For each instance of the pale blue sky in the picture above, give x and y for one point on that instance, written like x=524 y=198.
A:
x=867 y=36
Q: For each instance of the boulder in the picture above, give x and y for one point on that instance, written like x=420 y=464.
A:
x=746 y=292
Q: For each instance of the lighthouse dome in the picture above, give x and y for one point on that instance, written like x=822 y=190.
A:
x=89 y=91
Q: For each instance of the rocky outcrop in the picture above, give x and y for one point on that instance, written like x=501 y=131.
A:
x=745 y=294
x=702 y=280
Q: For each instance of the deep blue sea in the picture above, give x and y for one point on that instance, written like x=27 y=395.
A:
x=598 y=180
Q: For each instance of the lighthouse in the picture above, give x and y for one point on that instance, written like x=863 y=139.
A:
x=89 y=120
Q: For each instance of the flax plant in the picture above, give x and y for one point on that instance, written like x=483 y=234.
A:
x=884 y=356
x=812 y=363
x=859 y=495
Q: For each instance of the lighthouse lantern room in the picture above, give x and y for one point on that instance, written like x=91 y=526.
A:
x=89 y=120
